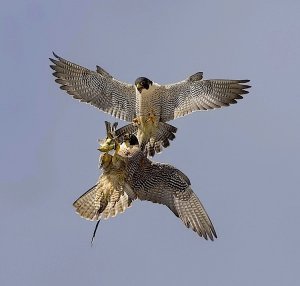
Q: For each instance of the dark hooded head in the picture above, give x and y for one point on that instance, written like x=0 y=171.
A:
x=142 y=83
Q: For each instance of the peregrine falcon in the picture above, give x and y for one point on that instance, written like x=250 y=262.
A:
x=146 y=104
x=128 y=174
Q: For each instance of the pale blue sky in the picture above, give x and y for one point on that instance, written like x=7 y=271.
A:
x=243 y=161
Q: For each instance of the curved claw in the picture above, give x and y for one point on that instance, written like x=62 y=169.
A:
x=151 y=118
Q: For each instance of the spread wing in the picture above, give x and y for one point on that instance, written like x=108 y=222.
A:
x=98 y=88
x=164 y=184
x=195 y=94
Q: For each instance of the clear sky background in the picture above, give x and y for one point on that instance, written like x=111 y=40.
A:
x=243 y=161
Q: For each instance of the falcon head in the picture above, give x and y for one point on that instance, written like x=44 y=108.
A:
x=142 y=83
x=112 y=141
x=130 y=140
x=129 y=146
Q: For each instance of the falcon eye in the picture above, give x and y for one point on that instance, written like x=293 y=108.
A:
x=145 y=84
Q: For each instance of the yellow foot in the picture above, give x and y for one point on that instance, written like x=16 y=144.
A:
x=151 y=118
x=136 y=121
x=107 y=145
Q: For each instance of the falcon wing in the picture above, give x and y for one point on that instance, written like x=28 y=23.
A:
x=193 y=214
x=164 y=184
x=98 y=88
x=195 y=94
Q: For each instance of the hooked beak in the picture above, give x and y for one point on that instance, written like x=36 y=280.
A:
x=139 y=87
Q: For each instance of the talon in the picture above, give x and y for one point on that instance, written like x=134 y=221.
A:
x=151 y=118
x=136 y=121
x=107 y=145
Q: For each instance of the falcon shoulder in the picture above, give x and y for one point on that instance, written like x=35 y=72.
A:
x=97 y=88
x=194 y=93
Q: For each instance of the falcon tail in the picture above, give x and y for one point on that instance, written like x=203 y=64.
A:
x=127 y=129
x=86 y=205
x=100 y=202
x=165 y=134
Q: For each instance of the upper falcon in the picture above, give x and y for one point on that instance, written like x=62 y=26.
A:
x=146 y=104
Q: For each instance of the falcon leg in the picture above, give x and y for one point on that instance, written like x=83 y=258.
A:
x=151 y=118
x=136 y=121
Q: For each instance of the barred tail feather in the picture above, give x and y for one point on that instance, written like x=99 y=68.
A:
x=100 y=202
x=165 y=134
x=88 y=206
x=127 y=129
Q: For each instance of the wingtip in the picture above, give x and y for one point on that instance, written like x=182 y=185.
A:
x=54 y=60
x=214 y=234
x=211 y=235
x=55 y=55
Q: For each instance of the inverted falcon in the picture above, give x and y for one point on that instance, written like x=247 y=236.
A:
x=128 y=175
